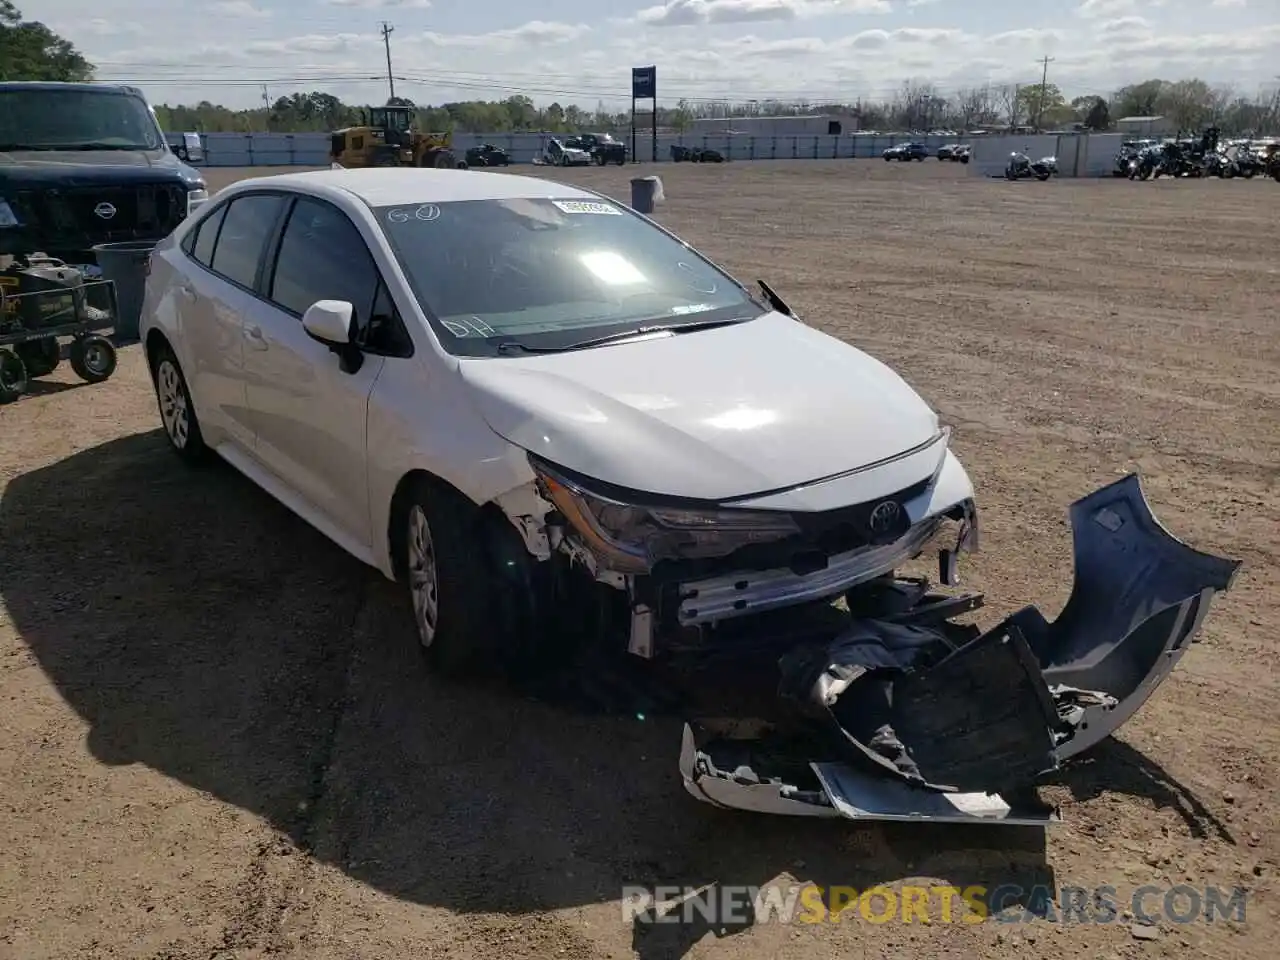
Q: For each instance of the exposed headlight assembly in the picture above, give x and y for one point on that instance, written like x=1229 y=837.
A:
x=629 y=538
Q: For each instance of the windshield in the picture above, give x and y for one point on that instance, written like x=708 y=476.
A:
x=548 y=274
x=76 y=120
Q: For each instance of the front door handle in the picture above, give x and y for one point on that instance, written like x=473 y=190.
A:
x=255 y=337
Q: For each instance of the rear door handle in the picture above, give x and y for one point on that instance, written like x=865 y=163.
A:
x=255 y=337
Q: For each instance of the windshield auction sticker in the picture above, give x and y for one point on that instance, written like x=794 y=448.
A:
x=586 y=206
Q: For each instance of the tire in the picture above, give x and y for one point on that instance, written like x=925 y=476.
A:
x=41 y=356
x=449 y=579
x=1248 y=173
x=1042 y=177
x=93 y=358
x=14 y=379
x=177 y=412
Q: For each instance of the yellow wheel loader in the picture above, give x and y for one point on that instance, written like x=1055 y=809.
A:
x=387 y=139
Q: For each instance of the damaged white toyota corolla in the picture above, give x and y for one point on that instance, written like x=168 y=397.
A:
x=563 y=428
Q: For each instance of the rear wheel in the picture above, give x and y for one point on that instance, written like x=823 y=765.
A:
x=93 y=358
x=177 y=412
x=14 y=379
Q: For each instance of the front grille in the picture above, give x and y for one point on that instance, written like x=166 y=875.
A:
x=67 y=218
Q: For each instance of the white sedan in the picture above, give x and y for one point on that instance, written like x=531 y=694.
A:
x=557 y=423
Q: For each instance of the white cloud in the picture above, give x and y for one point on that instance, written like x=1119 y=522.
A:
x=242 y=9
x=738 y=49
x=688 y=13
x=1096 y=9
x=1230 y=3
x=380 y=4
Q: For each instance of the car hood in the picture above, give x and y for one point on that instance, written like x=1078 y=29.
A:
x=36 y=168
x=715 y=414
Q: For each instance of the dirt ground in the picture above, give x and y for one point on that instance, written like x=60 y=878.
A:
x=217 y=741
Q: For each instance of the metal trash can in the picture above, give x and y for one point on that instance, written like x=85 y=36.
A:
x=126 y=265
x=645 y=192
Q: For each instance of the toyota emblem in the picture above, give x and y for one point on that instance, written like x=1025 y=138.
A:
x=884 y=516
x=105 y=210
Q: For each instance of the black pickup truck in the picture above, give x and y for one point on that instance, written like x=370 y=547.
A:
x=602 y=147
x=83 y=164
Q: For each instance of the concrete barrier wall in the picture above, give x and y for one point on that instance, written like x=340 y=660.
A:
x=1082 y=155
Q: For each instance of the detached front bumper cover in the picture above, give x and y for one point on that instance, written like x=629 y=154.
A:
x=908 y=723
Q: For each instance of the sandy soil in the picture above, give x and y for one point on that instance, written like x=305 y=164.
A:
x=217 y=740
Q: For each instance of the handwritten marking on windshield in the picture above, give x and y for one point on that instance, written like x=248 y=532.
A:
x=397 y=216
x=586 y=206
x=427 y=212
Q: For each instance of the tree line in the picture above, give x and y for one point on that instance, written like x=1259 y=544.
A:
x=31 y=51
x=1189 y=105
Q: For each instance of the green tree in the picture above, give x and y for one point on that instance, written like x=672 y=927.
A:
x=31 y=51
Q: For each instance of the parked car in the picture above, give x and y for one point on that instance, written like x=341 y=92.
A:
x=487 y=155
x=947 y=151
x=907 y=151
x=560 y=428
x=962 y=153
x=559 y=154
x=681 y=154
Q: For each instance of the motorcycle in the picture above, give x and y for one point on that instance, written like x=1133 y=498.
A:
x=1145 y=164
x=1021 y=167
x=1219 y=165
x=1249 y=164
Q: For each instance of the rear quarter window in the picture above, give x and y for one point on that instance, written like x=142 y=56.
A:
x=205 y=235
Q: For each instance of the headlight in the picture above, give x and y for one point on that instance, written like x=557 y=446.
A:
x=631 y=538
x=195 y=198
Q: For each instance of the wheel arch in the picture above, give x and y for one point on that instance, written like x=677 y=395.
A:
x=489 y=514
x=156 y=341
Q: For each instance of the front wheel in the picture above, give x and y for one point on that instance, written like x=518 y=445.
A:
x=449 y=578
x=1043 y=176
x=93 y=358
x=177 y=412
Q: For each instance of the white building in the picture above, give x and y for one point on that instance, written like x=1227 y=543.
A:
x=826 y=124
x=1145 y=127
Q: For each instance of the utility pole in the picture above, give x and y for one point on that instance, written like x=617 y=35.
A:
x=266 y=102
x=1044 y=79
x=387 y=30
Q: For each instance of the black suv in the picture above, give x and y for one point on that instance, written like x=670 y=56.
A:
x=906 y=152
x=83 y=164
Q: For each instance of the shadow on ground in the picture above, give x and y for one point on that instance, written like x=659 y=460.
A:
x=203 y=630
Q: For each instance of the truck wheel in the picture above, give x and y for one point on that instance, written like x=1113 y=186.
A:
x=41 y=356
x=14 y=379
x=93 y=358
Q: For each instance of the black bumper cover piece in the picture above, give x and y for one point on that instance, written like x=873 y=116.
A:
x=910 y=724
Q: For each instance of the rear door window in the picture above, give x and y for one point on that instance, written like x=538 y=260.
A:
x=242 y=241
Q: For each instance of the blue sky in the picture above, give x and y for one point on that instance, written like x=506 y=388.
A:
x=580 y=51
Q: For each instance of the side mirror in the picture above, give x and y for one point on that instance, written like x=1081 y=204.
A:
x=330 y=322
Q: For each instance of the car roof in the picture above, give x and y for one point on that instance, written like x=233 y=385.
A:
x=383 y=186
x=10 y=86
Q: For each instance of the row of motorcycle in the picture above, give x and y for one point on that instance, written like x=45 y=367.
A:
x=1197 y=158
